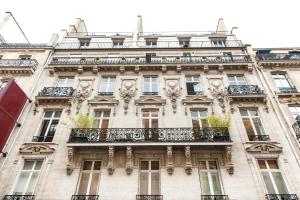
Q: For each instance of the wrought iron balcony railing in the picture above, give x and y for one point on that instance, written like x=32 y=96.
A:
x=42 y=138
x=150 y=93
x=152 y=60
x=238 y=90
x=259 y=137
x=56 y=92
x=18 y=197
x=288 y=90
x=296 y=127
x=17 y=63
x=281 y=197
x=214 y=197
x=149 y=197
x=278 y=57
x=105 y=93
x=22 y=45
x=85 y=197
x=144 y=135
x=142 y=44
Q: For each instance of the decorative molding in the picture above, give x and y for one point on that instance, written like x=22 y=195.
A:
x=129 y=164
x=191 y=100
x=34 y=149
x=248 y=100
x=228 y=158
x=170 y=160
x=218 y=91
x=264 y=148
x=110 y=164
x=127 y=91
x=6 y=77
x=173 y=91
x=188 y=160
x=104 y=101
x=70 y=165
x=84 y=91
x=151 y=101
x=292 y=98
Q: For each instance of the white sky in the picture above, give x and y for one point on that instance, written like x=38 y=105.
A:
x=262 y=23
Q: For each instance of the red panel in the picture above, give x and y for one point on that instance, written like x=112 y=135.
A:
x=12 y=100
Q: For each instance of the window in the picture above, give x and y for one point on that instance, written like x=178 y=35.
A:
x=252 y=123
x=107 y=86
x=209 y=178
x=149 y=57
x=28 y=177
x=236 y=80
x=282 y=82
x=89 y=177
x=227 y=56
x=150 y=118
x=150 y=85
x=65 y=81
x=272 y=176
x=151 y=41
x=193 y=85
x=295 y=110
x=184 y=42
x=118 y=42
x=199 y=118
x=219 y=43
x=25 y=57
x=149 y=177
x=2 y=84
x=85 y=42
x=49 y=125
x=101 y=119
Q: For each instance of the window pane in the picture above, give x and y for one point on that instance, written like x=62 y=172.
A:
x=243 y=112
x=45 y=125
x=195 y=123
x=104 y=123
x=258 y=126
x=202 y=165
x=94 y=184
x=262 y=164
x=143 y=183
x=212 y=164
x=204 y=183
x=154 y=123
x=96 y=123
x=273 y=164
x=20 y=186
x=57 y=114
x=83 y=183
x=32 y=183
x=52 y=128
x=268 y=183
x=216 y=183
x=194 y=114
x=279 y=183
x=146 y=123
x=253 y=112
x=155 y=183
x=154 y=165
x=154 y=114
x=144 y=165
x=28 y=164
x=203 y=114
x=248 y=127
x=38 y=165
x=87 y=165
x=97 y=165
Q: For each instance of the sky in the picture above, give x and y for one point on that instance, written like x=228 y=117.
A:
x=261 y=23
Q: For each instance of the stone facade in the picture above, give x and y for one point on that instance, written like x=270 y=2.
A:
x=148 y=96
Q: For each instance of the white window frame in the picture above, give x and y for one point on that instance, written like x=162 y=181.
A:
x=65 y=81
x=251 y=121
x=30 y=176
x=199 y=117
x=193 y=81
x=101 y=118
x=150 y=85
x=90 y=176
x=297 y=112
x=236 y=82
x=275 y=77
x=149 y=171
x=209 y=171
x=38 y=133
x=150 y=117
x=109 y=78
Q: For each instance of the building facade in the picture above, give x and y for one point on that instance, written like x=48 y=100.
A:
x=152 y=116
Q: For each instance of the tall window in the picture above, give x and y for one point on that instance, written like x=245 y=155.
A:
x=151 y=42
x=282 y=82
x=150 y=118
x=28 y=177
x=252 y=122
x=149 y=177
x=219 y=43
x=2 y=84
x=209 y=178
x=236 y=80
x=85 y=42
x=272 y=176
x=150 y=85
x=295 y=110
x=89 y=177
x=193 y=85
x=101 y=119
x=49 y=124
x=199 y=118
x=118 y=42
x=65 y=82
x=107 y=86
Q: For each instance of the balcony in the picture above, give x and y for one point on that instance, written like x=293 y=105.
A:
x=18 y=197
x=281 y=197
x=18 y=66
x=279 y=59
x=42 y=138
x=214 y=197
x=149 y=197
x=140 y=136
x=287 y=90
x=250 y=93
x=85 y=197
x=105 y=93
x=55 y=95
x=259 y=137
x=142 y=44
x=23 y=46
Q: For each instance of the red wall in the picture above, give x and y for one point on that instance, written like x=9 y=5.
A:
x=12 y=100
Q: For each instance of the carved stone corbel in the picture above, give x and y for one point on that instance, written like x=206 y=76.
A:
x=228 y=156
x=127 y=92
x=170 y=162
x=188 y=160
x=173 y=91
x=70 y=165
x=129 y=164
x=110 y=164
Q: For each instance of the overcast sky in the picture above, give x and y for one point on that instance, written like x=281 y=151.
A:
x=262 y=23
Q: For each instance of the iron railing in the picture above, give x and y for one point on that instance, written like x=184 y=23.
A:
x=150 y=93
x=149 y=197
x=237 y=90
x=105 y=93
x=259 y=137
x=214 y=197
x=18 y=197
x=195 y=93
x=85 y=197
x=152 y=60
x=278 y=56
x=281 y=197
x=42 y=138
x=288 y=89
x=31 y=63
x=56 y=92
x=23 y=45
x=144 y=135
x=296 y=127
x=142 y=44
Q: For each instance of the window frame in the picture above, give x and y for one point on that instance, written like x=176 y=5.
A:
x=101 y=118
x=151 y=92
x=201 y=91
x=150 y=117
x=286 y=78
x=106 y=92
x=199 y=117
x=149 y=175
x=65 y=82
x=297 y=107
x=236 y=82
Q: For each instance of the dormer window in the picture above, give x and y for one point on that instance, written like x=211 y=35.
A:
x=84 y=42
x=184 y=42
x=25 y=57
x=118 y=42
x=151 y=41
x=219 y=43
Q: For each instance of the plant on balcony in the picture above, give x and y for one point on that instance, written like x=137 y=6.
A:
x=219 y=121
x=82 y=120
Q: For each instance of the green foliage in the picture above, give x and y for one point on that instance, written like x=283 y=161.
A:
x=81 y=120
x=218 y=121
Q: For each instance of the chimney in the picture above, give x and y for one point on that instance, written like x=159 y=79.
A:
x=221 y=28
